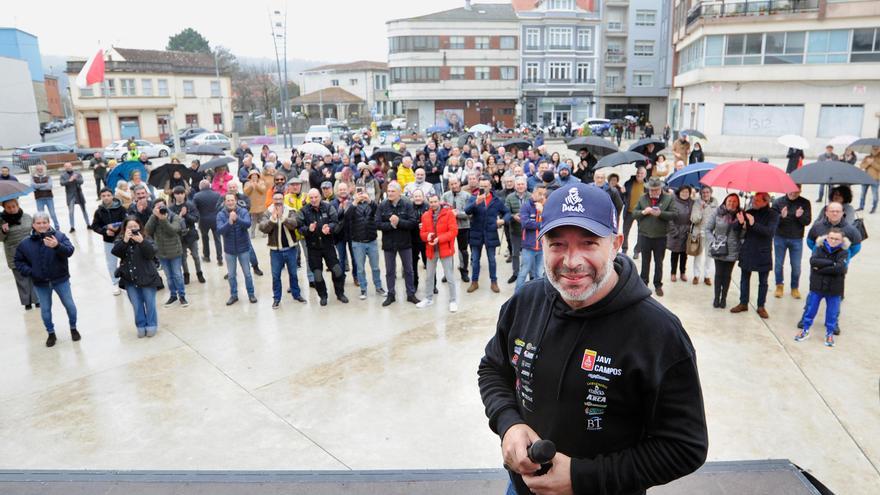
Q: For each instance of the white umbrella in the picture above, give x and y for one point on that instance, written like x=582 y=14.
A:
x=313 y=149
x=844 y=141
x=794 y=141
x=480 y=129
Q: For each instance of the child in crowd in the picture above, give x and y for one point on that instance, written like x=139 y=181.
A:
x=827 y=274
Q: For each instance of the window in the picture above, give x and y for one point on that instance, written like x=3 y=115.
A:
x=865 y=45
x=533 y=39
x=583 y=72
x=189 y=89
x=560 y=5
x=109 y=89
x=334 y=82
x=784 y=48
x=643 y=48
x=481 y=43
x=215 y=89
x=643 y=79
x=691 y=57
x=612 y=81
x=762 y=120
x=218 y=122
x=415 y=74
x=352 y=82
x=714 y=50
x=584 y=39
x=86 y=92
x=456 y=42
x=646 y=17
x=192 y=120
x=400 y=44
x=127 y=87
x=827 y=47
x=835 y=120
x=163 y=87
x=380 y=81
x=508 y=42
x=481 y=73
x=559 y=71
x=456 y=73
x=533 y=71
x=147 y=87
x=743 y=49
x=508 y=73
x=615 y=26
x=560 y=38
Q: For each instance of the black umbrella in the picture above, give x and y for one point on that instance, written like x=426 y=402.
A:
x=204 y=150
x=390 y=154
x=864 y=145
x=620 y=158
x=161 y=175
x=215 y=163
x=518 y=143
x=830 y=172
x=639 y=146
x=594 y=144
x=462 y=139
x=693 y=132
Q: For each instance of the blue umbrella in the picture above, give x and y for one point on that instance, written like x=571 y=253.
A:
x=123 y=172
x=11 y=189
x=690 y=175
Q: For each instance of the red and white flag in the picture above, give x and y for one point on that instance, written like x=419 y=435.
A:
x=92 y=72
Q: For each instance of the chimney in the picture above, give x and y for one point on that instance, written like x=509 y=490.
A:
x=467 y=4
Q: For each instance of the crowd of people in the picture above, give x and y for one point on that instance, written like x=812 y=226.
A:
x=325 y=213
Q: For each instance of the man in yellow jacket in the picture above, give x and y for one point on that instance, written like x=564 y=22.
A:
x=405 y=173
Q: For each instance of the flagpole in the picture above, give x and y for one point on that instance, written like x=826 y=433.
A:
x=109 y=116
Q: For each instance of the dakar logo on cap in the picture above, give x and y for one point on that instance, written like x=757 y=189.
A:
x=573 y=202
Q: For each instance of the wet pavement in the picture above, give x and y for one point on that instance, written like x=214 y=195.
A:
x=359 y=386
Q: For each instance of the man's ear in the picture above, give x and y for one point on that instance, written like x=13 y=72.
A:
x=617 y=240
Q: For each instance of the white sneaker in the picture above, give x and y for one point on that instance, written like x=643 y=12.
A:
x=453 y=307
x=117 y=291
x=424 y=303
x=362 y=296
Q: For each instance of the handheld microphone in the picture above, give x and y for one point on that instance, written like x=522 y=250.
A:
x=542 y=452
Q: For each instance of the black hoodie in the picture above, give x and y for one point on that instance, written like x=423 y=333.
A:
x=613 y=385
x=106 y=216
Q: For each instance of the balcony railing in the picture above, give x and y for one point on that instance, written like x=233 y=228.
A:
x=615 y=58
x=559 y=47
x=558 y=81
x=615 y=88
x=533 y=47
x=734 y=8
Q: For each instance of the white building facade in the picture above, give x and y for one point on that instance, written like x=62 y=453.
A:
x=19 y=120
x=745 y=77
x=458 y=67
x=151 y=94
x=364 y=79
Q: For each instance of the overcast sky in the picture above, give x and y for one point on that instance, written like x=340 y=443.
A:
x=330 y=30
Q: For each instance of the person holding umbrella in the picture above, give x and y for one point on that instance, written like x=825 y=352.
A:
x=723 y=236
x=138 y=274
x=681 y=148
x=871 y=165
x=759 y=223
x=795 y=158
x=831 y=156
x=677 y=233
x=697 y=155
x=16 y=226
x=634 y=188
x=190 y=238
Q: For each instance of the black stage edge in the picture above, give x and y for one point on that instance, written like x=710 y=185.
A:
x=770 y=477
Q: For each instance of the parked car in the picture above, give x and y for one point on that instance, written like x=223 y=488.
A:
x=33 y=154
x=599 y=127
x=118 y=150
x=211 y=139
x=398 y=124
x=317 y=133
x=384 y=125
x=185 y=135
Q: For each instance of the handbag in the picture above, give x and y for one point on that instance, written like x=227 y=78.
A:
x=859 y=224
x=718 y=247
x=694 y=243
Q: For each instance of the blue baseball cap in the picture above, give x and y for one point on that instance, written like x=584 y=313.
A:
x=580 y=205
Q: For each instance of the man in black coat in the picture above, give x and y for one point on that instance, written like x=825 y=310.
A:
x=107 y=222
x=205 y=202
x=317 y=221
x=189 y=239
x=759 y=223
x=396 y=219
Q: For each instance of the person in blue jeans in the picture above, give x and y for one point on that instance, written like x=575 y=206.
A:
x=794 y=216
x=43 y=258
x=165 y=228
x=279 y=223
x=360 y=218
x=827 y=277
x=138 y=275
x=487 y=214
x=531 y=256
x=233 y=222
x=42 y=184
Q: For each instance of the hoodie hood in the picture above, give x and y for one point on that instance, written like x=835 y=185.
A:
x=113 y=205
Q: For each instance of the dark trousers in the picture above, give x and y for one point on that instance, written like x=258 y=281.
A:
x=515 y=249
x=745 y=283
x=676 y=259
x=406 y=259
x=628 y=221
x=191 y=250
x=418 y=250
x=204 y=228
x=98 y=181
x=657 y=248
x=723 y=272
x=326 y=253
x=462 y=238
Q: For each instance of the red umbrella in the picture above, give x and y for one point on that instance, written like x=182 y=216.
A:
x=748 y=175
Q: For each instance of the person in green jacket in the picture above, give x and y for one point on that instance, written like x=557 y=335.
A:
x=514 y=201
x=166 y=228
x=653 y=212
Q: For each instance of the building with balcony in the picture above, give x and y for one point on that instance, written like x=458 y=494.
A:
x=457 y=67
x=636 y=62
x=151 y=94
x=747 y=72
x=560 y=59
x=356 y=91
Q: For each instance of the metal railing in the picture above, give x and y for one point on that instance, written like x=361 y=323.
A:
x=615 y=58
x=558 y=81
x=733 y=8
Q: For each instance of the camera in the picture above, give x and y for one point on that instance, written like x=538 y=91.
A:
x=135 y=232
x=163 y=210
x=44 y=235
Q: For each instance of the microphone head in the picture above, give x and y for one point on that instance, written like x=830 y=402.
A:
x=542 y=451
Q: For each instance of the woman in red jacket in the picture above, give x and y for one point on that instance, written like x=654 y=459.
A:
x=439 y=230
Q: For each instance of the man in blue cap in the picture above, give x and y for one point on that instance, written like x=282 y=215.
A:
x=587 y=359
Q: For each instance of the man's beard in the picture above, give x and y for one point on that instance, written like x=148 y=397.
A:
x=600 y=280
